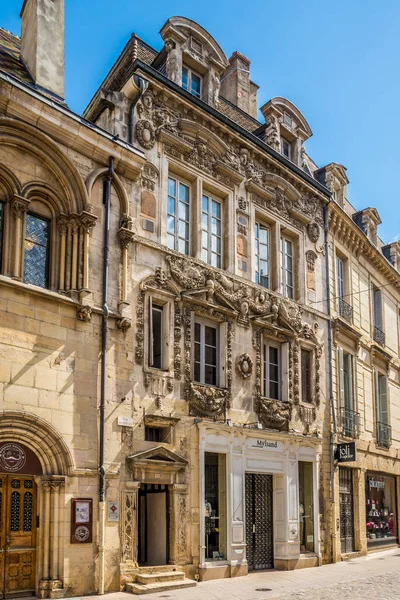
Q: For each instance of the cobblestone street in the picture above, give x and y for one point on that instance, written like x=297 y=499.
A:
x=376 y=576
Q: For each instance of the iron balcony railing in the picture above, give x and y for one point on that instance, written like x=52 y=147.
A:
x=379 y=336
x=345 y=310
x=350 y=420
x=383 y=435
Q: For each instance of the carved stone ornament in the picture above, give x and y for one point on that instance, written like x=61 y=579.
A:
x=145 y=133
x=244 y=365
x=207 y=401
x=85 y=313
x=311 y=257
x=274 y=414
x=313 y=232
x=124 y=323
x=12 y=458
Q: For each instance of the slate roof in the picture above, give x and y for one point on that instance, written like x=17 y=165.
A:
x=10 y=57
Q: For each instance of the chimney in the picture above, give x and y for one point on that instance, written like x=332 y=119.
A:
x=42 y=43
x=237 y=87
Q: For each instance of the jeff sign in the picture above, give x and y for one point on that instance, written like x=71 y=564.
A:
x=346 y=452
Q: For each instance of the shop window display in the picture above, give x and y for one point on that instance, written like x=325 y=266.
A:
x=380 y=509
x=306 y=506
x=215 y=506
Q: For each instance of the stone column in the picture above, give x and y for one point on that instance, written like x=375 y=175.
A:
x=55 y=487
x=50 y=583
x=178 y=525
x=129 y=541
x=88 y=221
x=62 y=228
x=74 y=259
x=19 y=207
x=125 y=237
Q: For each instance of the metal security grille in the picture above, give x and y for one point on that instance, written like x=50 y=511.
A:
x=259 y=524
x=346 y=510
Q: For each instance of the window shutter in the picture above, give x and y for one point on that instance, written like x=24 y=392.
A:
x=383 y=400
x=151 y=342
x=378 y=309
x=350 y=399
x=377 y=399
x=341 y=377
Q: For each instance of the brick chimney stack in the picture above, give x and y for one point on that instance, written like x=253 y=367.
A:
x=42 y=43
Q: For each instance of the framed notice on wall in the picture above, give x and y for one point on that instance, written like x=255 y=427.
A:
x=81 y=521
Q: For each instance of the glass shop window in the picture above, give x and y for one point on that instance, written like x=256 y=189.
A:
x=381 y=510
x=306 y=507
x=215 y=506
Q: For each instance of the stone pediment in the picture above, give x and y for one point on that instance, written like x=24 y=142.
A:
x=159 y=454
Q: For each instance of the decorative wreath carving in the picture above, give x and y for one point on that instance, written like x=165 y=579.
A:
x=244 y=365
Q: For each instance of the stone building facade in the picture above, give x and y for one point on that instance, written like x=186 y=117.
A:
x=364 y=283
x=187 y=367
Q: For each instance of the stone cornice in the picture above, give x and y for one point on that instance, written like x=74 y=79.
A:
x=343 y=229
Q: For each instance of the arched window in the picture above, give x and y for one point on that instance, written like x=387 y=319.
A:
x=36 y=250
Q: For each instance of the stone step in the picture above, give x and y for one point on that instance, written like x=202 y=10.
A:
x=153 y=588
x=159 y=569
x=159 y=577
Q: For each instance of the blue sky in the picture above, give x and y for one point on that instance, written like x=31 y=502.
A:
x=338 y=62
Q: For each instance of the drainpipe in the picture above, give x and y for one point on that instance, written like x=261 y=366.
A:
x=330 y=376
x=142 y=85
x=102 y=470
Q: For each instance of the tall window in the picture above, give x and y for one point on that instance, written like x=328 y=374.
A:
x=287 y=287
x=178 y=216
x=377 y=307
x=383 y=429
x=272 y=371
x=191 y=82
x=286 y=148
x=156 y=336
x=211 y=237
x=205 y=353
x=306 y=506
x=215 y=503
x=306 y=375
x=262 y=254
x=350 y=419
x=340 y=277
x=36 y=255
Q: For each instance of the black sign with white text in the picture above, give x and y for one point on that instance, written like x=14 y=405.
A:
x=346 y=452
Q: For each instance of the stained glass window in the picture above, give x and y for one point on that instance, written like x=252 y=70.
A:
x=36 y=250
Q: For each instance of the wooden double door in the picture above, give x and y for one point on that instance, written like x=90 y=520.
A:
x=17 y=535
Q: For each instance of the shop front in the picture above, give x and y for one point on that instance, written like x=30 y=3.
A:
x=258 y=501
x=381 y=517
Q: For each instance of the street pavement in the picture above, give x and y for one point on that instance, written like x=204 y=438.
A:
x=375 y=577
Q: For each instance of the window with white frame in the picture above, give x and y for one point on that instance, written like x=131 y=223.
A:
x=206 y=348
x=178 y=216
x=306 y=375
x=272 y=370
x=286 y=148
x=211 y=235
x=262 y=246
x=286 y=267
x=191 y=82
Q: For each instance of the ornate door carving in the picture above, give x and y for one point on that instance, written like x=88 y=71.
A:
x=17 y=534
x=259 y=523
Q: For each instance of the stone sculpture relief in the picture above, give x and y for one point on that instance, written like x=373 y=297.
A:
x=244 y=365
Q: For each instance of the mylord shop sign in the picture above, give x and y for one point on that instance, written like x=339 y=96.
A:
x=346 y=452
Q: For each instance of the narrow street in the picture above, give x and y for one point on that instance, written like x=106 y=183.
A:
x=376 y=576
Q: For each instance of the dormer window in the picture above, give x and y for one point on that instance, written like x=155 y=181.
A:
x=286 y=148
x=196 y=46
x=191 y=82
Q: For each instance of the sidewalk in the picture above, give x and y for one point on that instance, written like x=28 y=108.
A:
x=371 y=577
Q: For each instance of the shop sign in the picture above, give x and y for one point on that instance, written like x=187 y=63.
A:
x=346 y=452
x=112 y=511
x=262 y=444
x=378 y=485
